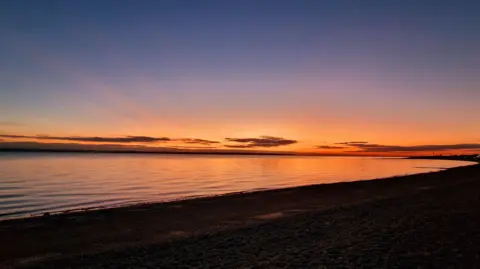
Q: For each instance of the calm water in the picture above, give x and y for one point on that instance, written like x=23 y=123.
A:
x=33 y=183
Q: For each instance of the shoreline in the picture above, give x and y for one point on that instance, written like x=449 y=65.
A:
x=181 y=199
x=245 y=192
x=430 y=228
x=469 y=157
x=39 y=238
x=179 y=152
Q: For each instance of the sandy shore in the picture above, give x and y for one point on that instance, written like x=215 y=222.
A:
x=401 y=221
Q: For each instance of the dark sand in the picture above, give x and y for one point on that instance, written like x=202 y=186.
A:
x=427 y=220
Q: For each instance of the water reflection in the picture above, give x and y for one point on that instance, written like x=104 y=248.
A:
x=39 y=182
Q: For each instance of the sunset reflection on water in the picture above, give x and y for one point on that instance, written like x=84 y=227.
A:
x=33 y=183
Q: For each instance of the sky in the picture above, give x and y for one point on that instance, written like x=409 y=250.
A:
x=330 y=77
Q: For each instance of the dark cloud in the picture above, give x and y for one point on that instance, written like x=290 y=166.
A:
x=194 y=147
x=352 y=143
x=392 y=148
x=261 y=142
x=329 y=147
x=14 y=136
x=124 y=139
x=53 y=146
x=98 y=139
x=240 y=146
x=77 y=146
x=197 y=141
x=363 y=146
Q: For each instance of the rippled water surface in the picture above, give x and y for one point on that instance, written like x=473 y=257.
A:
x=34 y=183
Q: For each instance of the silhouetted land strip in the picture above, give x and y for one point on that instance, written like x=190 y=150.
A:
x=143 y=151
x=470 y=157
x=428 y=220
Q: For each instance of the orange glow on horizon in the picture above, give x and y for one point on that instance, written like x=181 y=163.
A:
x=300 y=148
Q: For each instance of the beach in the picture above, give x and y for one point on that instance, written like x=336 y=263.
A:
x=239 y=134
x=427 y=220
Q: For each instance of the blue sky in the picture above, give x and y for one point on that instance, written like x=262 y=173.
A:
x=316 y=70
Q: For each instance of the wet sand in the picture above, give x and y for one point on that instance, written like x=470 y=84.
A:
x=426 y=219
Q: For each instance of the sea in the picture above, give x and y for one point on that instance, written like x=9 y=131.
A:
x=32 y=184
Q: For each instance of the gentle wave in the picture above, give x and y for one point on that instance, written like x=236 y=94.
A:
x=32 y=184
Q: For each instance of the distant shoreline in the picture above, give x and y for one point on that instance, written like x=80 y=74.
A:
x=185 y=152
x=142 y=152
x=471 y=157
